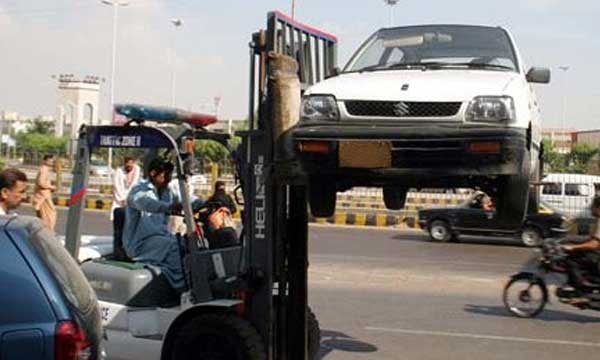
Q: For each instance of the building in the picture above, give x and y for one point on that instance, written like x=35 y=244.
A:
x=562 y=139
x=590 y=137
x=78 y=104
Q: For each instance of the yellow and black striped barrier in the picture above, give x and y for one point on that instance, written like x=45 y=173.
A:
x=373 y=219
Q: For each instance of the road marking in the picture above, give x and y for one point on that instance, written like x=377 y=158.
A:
x=483 y=337
x=398 y=259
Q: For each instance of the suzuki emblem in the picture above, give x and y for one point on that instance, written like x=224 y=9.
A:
x=401 y=109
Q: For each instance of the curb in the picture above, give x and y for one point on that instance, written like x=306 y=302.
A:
x=399 y=221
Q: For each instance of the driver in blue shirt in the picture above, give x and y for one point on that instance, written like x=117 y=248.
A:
x=146 y=235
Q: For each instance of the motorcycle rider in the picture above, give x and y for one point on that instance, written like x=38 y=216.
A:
x=590 y=249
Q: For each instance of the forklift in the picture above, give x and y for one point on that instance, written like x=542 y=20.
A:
x=247 y=301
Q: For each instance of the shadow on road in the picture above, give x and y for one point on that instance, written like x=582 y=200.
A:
x=464 y=239
x=338 y=341
x=546 y=315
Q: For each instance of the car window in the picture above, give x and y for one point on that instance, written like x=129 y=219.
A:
x=454 y=44
x=597 y=189
x=22 y=299
x=552 y=189
x=577 y=190
x=63 y=266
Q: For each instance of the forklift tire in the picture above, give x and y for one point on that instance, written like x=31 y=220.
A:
x=216 y=336
x=322 y=195
x=394 y=198
x=314 y=335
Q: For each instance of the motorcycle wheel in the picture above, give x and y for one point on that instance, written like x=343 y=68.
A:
x=525 y=295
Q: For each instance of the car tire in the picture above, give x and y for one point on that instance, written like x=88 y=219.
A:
x=531 y=236
x=322 y=195
x=221 y=336
x=513 y=196
x=440 y=231
x=394 y=198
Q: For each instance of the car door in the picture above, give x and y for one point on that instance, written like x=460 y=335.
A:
x=27 y=320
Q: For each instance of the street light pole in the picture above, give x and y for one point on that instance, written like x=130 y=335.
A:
x=115 y=5
x=391 y=4
x=172 y=58
x=564 y=68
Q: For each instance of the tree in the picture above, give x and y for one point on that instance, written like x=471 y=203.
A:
x=555 y=161
x=39 y=126
x=580 y=158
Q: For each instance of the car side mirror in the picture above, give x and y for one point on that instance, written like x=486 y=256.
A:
x=538 y=75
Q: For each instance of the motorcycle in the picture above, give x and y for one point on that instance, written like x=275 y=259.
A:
x=526 y=293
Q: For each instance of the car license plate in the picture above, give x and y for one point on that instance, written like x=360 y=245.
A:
x=365 y=154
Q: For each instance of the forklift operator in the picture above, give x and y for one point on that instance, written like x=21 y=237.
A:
x=146 y=236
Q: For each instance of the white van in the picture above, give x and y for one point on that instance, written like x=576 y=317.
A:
x=571 y=194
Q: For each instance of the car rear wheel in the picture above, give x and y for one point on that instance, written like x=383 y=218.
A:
x=531 y=236
x=394 y=198
x=440 y=231
x=322 y=195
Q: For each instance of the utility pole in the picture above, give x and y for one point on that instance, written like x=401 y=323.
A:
x=564 y=68
x=293 y=9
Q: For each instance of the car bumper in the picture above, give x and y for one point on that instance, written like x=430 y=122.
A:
x=418 y=151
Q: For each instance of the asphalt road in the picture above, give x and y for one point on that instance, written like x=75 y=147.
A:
x=389 y=294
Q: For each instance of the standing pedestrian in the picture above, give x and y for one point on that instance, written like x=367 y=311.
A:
x=123 y=180
x=13 y=190
x=42 y=197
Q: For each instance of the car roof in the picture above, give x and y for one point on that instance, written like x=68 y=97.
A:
x=20 y=222
x=572 y=178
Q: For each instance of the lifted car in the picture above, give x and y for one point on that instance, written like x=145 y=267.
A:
x=425 y=106
x=471 y=218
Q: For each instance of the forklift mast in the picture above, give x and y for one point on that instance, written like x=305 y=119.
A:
x=276 y=218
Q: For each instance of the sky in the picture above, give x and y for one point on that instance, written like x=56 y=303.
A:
x=41 y=38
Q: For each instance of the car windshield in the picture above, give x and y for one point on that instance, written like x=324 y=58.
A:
x=436 y=46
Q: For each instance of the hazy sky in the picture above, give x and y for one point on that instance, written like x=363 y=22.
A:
x=39 y=38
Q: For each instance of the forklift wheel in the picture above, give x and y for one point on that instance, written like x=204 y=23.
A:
x=314 y=335
x=217 y=336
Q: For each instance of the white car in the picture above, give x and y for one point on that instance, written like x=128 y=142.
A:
x=571 y=194
x=425 y=106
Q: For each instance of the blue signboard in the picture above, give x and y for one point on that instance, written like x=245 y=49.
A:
x=127 y=137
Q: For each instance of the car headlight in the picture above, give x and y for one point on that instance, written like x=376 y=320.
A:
x=491 y=109
x=319 y=107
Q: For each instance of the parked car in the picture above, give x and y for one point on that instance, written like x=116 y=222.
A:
x=470 y=218
x=49 y=311
x=100 y=168
x=571 y=194
x=444 y=106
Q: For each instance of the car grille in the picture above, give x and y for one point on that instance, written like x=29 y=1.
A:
x=402 y=109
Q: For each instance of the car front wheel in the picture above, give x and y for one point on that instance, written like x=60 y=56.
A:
x=531 y=236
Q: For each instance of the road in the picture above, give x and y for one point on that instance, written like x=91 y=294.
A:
x=389 y=294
